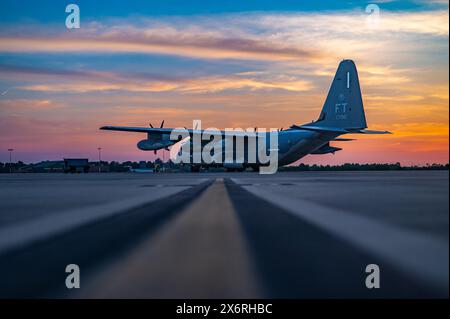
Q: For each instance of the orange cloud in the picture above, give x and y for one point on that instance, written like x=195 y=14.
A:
x=28 y=105
x=182 y=45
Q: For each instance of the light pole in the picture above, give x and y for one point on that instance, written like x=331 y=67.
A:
x=99 y=158
x=163 y=160
x=10 y=150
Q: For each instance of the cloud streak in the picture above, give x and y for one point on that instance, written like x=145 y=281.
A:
x=178 y=45
x=285 y=37
x=88 y=81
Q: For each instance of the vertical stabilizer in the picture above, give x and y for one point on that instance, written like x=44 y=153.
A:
x=343 y=107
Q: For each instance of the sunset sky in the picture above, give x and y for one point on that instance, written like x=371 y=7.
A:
x=228 y=63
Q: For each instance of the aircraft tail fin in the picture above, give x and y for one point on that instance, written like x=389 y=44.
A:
x=343 y=107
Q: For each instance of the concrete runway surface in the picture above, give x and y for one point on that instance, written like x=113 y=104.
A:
x=225 y=235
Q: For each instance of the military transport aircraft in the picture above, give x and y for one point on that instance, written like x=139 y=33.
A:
x=342 y=113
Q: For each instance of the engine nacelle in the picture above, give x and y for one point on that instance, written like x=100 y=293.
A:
x=154 y=145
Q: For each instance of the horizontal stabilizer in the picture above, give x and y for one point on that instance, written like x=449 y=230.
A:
x=323 y=129
x=326 y=149
x=340 y=139
x=370 y=132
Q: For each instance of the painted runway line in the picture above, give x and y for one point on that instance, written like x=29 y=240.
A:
x=420 y=256
x=201 y=253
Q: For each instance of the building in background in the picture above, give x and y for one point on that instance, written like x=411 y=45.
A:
x=76 y=165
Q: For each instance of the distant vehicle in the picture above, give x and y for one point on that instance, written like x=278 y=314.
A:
x=342 y=113
x=142 y=168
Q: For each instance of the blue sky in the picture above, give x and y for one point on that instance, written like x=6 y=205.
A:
x=50 y=10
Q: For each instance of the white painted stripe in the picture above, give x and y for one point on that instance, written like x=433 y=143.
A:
x=420 y=256
x=59 y=223
x=200 y=253
x=348 y=80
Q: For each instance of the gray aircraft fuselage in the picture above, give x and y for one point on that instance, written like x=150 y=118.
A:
x=295 y=144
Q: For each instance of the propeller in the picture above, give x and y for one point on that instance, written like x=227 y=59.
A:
x=162 y=124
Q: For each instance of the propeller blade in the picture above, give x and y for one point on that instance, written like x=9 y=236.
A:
x=162 y=124
x=150 y=125
x=154 y=152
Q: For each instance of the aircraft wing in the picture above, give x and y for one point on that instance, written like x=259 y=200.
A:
x=138 y=129
x=161 y=131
